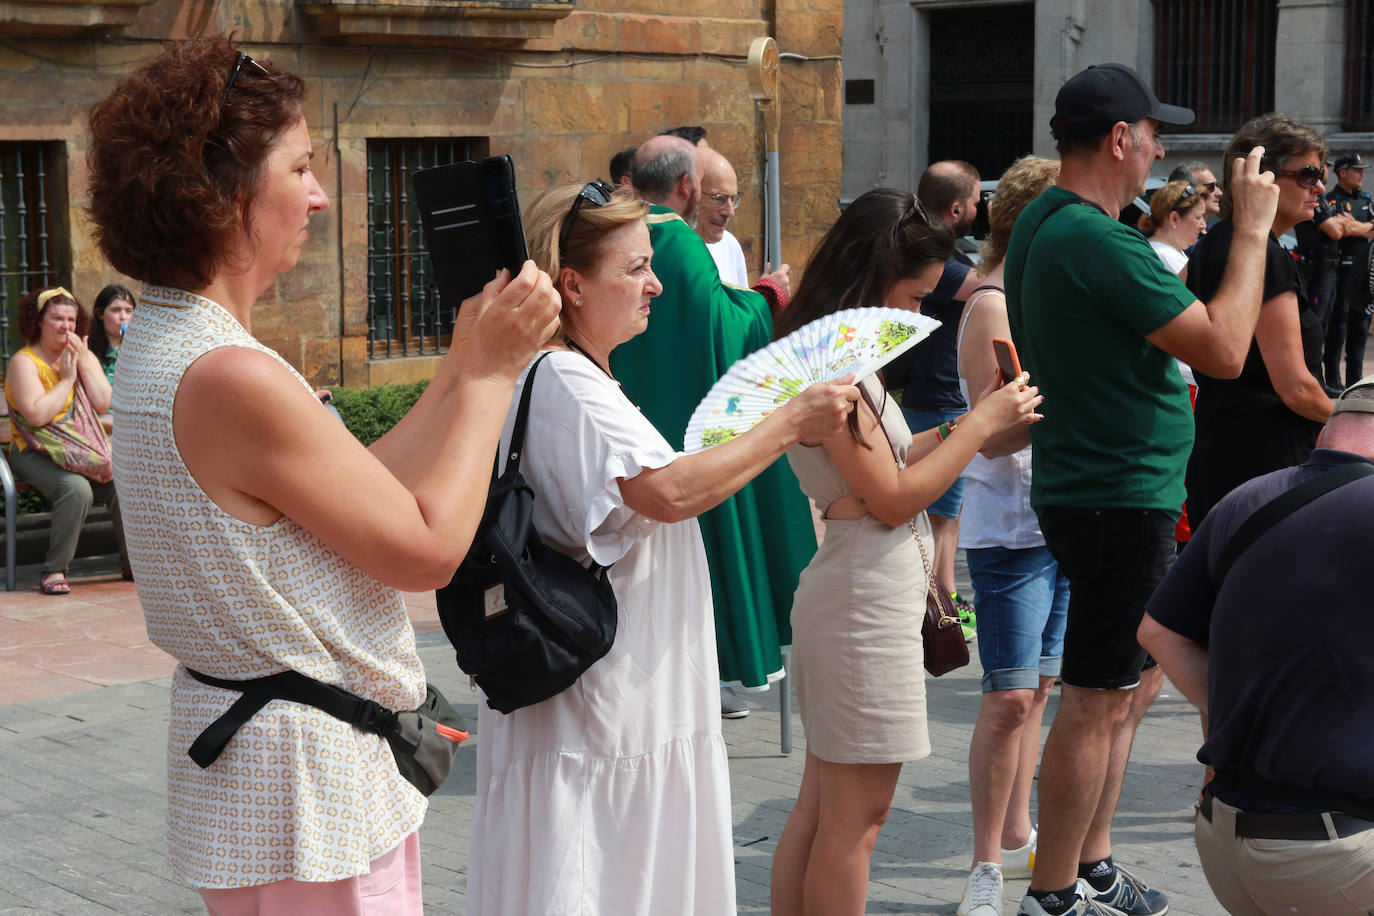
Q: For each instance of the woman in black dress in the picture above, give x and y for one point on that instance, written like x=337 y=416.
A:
x=1268 y=417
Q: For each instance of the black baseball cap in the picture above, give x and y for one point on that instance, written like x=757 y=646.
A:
x=1350 y=161
x=1092 y=101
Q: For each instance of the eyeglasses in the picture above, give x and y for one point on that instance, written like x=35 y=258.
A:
x=234 y=75
x=596 y=193
x=721 y=200
x=1209 y=187
x=1306 y=177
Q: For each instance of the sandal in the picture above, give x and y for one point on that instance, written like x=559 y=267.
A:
x=55 y=584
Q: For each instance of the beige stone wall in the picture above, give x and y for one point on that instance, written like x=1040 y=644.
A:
x=606 y=76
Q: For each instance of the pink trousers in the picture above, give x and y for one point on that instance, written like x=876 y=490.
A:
x=390 y=888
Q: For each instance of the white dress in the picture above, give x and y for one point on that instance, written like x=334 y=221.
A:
x=614 y=795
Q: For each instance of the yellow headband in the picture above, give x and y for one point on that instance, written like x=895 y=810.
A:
x=47 y=294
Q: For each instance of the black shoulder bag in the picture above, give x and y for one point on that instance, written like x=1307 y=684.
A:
x=526 y=619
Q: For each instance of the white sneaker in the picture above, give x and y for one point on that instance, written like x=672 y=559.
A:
x=982 y=892
x=1020 y=862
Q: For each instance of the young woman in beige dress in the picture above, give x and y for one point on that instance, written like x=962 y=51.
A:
x=857 y=614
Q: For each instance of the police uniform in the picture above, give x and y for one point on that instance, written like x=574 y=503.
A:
x=1348 y=323
x=1319 y=257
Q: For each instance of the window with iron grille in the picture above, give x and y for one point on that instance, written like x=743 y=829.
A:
x=34 y=246
x=1217 y=58
x=404 y=315
x=1359 y=65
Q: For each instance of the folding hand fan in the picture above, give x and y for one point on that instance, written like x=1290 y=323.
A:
x=860 y=340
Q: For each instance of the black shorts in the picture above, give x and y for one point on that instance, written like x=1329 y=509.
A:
x=1113 y=559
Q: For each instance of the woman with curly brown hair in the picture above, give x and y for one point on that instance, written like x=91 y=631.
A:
x=56 y=391
x=266 y=537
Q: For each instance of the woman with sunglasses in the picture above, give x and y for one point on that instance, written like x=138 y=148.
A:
x=613 y=796
x=1267 y=418
x=856 y=616
x=1178 y=214
x=266 y=537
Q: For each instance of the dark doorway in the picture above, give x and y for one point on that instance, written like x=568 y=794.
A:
x=982 y=62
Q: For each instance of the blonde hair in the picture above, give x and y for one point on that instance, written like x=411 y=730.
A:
x=1022 y=182
x=1174 y=197
x=585 y=242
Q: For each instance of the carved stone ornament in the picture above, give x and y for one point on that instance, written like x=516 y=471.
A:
x=62 y=19
x=436 y=23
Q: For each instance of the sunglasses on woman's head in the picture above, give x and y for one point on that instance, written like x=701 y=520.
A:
x=234 y=75
x=1306 y=177
x=596 y=193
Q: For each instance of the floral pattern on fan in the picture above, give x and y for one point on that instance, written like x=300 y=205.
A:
x=861 y=341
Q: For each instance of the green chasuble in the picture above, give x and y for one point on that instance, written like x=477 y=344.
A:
x=758 y=541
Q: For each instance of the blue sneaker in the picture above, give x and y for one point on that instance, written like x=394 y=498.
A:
x=1129 y=895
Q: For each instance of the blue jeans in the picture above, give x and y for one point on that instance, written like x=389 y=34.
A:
x=1023 y=602
x=952 y=500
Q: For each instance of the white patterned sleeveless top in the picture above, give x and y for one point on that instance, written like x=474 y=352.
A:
x=296 y=793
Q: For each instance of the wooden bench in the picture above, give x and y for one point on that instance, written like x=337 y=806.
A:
x=12 y=489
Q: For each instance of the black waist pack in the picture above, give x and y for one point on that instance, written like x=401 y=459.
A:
x=423 y=741
x=525 y=619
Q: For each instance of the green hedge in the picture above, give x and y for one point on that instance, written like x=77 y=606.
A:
x=367 y=412
x=370 y=412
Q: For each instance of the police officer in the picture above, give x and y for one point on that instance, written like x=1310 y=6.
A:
x=1348 y=322
x=1319 y=255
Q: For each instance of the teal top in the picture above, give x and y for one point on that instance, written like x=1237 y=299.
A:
x=1083 y=291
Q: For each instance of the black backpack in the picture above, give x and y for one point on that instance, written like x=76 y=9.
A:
x=526 y=620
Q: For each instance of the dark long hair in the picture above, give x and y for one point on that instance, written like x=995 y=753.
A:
x=883 y=237
x=99 y=342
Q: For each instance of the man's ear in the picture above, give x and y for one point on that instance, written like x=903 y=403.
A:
x=686 y=186
x=1120 y=141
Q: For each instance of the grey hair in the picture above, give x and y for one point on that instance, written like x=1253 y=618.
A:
x=1184 y=170
x=655 y=178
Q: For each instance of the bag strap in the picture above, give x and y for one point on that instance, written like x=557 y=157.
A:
x=1048 y=213
x=286 y=685
x=1281 y=506
x=522 y=414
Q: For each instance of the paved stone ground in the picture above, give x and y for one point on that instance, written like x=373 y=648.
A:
x=82 y=801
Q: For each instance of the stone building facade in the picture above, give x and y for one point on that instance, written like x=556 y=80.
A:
x=393 y=85
x=976 y=79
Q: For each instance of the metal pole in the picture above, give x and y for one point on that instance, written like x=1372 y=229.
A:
x=773 y=231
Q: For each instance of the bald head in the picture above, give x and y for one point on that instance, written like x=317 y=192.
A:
x=719 y=192
x=665 y=172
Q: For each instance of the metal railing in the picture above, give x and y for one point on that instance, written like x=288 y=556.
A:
x=404 y=314
x=1358 y=113
x=1217 y=58
x=29 y=254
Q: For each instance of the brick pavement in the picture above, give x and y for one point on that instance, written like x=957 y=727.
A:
x=83 y=717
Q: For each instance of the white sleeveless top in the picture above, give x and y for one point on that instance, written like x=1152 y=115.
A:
x=296 y=793
x=997 y=510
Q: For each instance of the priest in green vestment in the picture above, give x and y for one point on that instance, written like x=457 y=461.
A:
x=758 y=541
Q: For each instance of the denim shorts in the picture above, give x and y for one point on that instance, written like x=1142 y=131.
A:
x=1113 y=558
x=1022 y=601
x=952 y=500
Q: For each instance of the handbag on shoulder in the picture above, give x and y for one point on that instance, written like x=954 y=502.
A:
x=941 y=635
x=942 y=638
x=524 y=619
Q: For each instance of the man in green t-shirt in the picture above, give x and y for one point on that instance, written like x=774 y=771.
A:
x=1097 y=320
